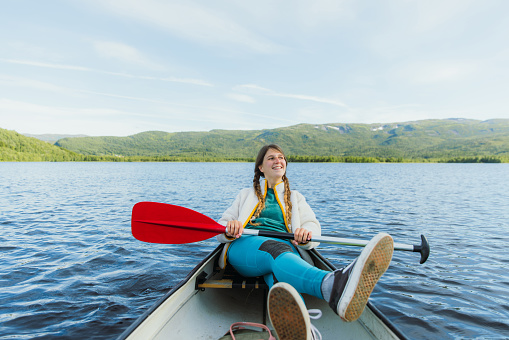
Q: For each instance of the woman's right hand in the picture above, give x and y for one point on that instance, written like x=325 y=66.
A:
x=235 y=229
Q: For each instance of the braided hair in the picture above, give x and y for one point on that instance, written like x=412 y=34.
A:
x=256 y=183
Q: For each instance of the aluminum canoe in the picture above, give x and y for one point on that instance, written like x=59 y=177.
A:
x=208 y=301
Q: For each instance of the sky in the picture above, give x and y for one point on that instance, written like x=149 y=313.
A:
x=120 y=67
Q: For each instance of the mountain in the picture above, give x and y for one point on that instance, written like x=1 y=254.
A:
x=16 y=147
x=416 y=140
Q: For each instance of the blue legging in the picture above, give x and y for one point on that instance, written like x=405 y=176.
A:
x=271 y=258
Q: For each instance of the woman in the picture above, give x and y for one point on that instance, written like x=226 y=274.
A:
x=271 y=205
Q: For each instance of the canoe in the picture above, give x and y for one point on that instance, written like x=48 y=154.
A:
x=209 y=300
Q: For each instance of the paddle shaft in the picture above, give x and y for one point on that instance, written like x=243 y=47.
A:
x=326 y=239
x=216 y=228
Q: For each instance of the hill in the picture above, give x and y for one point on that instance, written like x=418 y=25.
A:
x=447 y=139
x=16 y=147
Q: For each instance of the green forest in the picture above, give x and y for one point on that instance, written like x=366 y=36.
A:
x=15 y=147
x=447 y=140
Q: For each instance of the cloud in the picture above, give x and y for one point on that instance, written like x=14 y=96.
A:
x=45 y=111
x=117 y=74
x=35 y=118
x=241 y=97
x=33 y=84
x=258 y=90
x=437 y=72
x=192 y=21
x=184 y=80
x=124 y=53
x=47 y=65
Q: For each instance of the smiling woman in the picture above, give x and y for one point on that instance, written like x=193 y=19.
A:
x=286 y=266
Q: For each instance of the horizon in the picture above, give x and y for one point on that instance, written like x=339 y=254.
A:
x=196 y=66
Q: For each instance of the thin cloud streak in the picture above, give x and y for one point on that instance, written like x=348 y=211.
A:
x=255 y=89
x=58 y=118
x=204 y=108
x=118 y=74
x=45 y=86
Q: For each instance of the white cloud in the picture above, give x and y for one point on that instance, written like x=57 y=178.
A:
x=117 y=74
x=9 y=107
x=185 y=81
x=258 y=90
x=11 y=81
x=53 y=119
x=192 y=21
x=46 y=65
x=434 y=14
x=241 y=97
x=124 y=53
x=437 y=72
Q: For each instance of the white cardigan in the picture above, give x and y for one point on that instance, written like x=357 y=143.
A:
x=245 y=205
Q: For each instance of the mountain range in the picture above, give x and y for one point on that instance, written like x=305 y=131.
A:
x=424 y=140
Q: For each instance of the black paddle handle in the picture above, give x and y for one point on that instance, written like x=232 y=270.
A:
x=423 y=249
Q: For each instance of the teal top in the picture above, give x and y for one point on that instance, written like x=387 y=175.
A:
x=271 y=218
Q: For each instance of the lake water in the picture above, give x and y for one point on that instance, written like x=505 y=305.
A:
x=69 y=267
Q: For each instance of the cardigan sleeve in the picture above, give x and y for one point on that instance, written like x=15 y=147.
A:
x=231 y=214
x=308 y=221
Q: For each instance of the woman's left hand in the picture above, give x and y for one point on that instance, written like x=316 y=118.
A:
x=301 y=236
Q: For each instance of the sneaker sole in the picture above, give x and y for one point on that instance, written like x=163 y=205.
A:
x=288 y=313
x=371 y=264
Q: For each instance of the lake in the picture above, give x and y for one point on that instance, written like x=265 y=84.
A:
x=70 y=268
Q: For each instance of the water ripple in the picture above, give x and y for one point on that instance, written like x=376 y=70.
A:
x=71 y=269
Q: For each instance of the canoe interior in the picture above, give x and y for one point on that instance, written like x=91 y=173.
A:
x=190 y=313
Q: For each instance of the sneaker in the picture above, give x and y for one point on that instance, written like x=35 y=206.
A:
x=288 y=313
x=353 y=285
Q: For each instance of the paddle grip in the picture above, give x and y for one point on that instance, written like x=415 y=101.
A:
x=423 y=249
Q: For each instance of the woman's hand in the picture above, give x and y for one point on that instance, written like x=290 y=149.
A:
x=301 y=236
x=235 y=229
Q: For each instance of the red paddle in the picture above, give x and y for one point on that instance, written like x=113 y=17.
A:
x=170 y=224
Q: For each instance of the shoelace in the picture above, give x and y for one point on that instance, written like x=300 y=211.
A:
x=314 y=331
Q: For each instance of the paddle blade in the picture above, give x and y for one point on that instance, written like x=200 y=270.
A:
x=170 y=224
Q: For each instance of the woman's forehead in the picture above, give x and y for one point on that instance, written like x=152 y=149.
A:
x=271 y=152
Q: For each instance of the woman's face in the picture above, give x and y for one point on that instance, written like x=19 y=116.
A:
x=273 y=166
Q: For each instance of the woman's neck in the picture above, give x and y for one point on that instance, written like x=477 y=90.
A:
x=272 y=182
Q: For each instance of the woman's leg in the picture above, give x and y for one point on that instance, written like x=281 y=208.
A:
x=277 y=261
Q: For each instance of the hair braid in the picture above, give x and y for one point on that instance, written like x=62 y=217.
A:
x=288 y=202
x=258 y=192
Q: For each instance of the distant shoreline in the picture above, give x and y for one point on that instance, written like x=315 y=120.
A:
x=301 y=159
